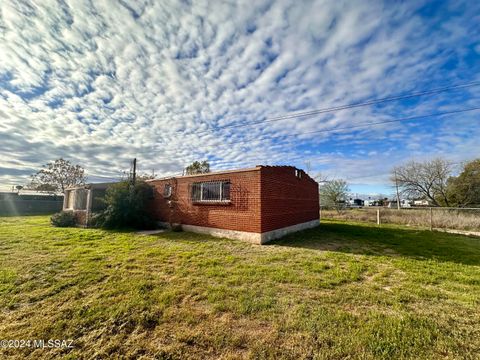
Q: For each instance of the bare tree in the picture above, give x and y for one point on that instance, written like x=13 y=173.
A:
x=308 y=167
x=57 y=176
x=333 y=193
x=426 y=180
x=320 y=178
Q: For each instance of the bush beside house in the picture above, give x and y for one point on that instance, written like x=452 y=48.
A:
x=63 y=219
x=126 y=207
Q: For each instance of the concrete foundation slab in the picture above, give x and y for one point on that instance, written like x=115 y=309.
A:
x=254 y=238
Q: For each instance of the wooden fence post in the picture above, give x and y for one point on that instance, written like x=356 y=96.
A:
x=378 y=216
x=431 y=219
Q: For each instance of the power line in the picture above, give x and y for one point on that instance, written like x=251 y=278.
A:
x=348 y=106
x=371 y=102
x=361 y=125
x=356 y=177
x=355 y=126
x=389 y=173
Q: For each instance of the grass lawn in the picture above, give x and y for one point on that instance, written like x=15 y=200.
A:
x=343 y=290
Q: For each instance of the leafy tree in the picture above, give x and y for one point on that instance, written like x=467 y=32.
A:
x=333 y=193
x=198 y=167
x=382 y=201
x=57 y=176
x=424 y=180
x=464 y=189
x=127 y=176
x=145 y=176
x=126 y=206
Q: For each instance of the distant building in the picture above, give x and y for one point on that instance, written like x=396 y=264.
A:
x=404 y=203
x=421 y=202
x=356 y=203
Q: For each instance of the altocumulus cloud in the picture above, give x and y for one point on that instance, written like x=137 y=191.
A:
x=102 y=82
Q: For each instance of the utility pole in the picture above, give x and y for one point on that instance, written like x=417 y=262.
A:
x=396 y=185
x=319 y=200
x=134 y=174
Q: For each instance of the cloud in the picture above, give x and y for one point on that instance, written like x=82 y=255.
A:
x=102 y=82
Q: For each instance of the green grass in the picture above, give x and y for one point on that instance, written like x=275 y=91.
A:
x=342 y=290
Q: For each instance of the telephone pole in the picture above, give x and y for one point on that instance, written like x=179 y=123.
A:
x=396 y=185
x=134 y=174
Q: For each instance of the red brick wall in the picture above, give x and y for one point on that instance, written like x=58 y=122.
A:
x=241 y=214
x=262 y=199
x=286 y=198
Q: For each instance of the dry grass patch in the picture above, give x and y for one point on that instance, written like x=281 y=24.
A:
x=467 y=220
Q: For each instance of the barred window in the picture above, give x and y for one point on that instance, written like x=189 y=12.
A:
x=167 y=190
x=211 y=191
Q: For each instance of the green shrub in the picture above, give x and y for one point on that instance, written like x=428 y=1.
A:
x=127 y=207
x=63 y=219
x=96 y=220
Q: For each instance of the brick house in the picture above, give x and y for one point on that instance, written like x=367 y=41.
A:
x=257 y=204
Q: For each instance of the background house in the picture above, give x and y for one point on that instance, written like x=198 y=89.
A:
x=257 y=204
x=404 y=203
x=370 y=202
x=355 y=203
x=421 y=202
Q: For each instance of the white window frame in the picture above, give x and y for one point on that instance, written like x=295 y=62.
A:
x=222 y=183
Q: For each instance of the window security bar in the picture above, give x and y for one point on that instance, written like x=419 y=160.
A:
x=211 y=191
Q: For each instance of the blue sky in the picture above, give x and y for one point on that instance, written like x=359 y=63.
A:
x=101 y=82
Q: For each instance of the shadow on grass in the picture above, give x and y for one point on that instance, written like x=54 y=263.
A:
x=387 y=241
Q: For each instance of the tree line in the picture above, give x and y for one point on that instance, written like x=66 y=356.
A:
x=431 y=180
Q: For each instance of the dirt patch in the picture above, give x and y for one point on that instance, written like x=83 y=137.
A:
x=460 y=232
x=150 y=232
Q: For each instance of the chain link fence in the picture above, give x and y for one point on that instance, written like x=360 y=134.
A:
x=433 y=218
